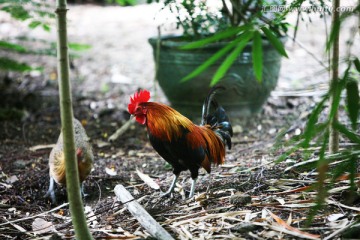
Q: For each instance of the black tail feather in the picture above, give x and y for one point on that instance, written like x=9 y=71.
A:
x=208 y=101
x=218 y=120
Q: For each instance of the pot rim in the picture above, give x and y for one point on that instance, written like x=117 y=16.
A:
x=177 y=41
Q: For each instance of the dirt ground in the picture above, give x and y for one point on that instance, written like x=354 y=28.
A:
x=249 y=197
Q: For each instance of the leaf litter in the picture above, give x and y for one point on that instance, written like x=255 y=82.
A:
x=250 y=197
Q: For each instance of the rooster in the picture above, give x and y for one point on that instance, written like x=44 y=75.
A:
x=180 y=142
x=84 y=156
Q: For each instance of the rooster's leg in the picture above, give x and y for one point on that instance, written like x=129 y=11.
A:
x=51 y=191
x=172 y=186
x=192 y=190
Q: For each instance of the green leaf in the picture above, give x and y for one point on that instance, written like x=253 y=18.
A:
x=309 y=131
x=17 y=12
x=46 y=27
x=79 y=46
x=335 y=31
x=357 y=64
x=257 y=55
x=322 y=168
x=274 y=41
x=337 y=87
x=12 y=65
x=352 y=101
x=34 y=24
x=348 y=133
x=245 y=38
x=211 y=60
x=125 y=2
x=218 y=36
x=353 y=170
x=12 y=46
x=285 y=155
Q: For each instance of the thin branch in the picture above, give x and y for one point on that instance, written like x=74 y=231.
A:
x=35 y=216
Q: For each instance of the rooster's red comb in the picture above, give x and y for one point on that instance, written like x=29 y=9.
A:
x=139 y=97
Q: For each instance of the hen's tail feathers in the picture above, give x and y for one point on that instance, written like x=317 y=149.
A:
x=218 y=120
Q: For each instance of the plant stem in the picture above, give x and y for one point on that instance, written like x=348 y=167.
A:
x=72 y=175
x=334 y=134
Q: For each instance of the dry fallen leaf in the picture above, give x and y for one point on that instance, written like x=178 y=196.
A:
x=288 y=227
x=334 y=217
x=111 y=171
x=40 y=226
x=148 y=180
x=12 y=179
x=40 y=147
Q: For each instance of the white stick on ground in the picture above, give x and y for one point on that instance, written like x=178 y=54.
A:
x=121 y=130
x=143 y=217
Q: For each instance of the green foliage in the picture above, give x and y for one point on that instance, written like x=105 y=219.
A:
x=12 y=46
x=39 y=14
x=244 y=34
x=79 y=46
x=335 y=30
x=247 y=14
x=357 y=64
x=352 y=101
x=257 y=56
x=194 y=17
x=227 y=26
x=12 y=65
x=228 y=33
x=319 y=131
x=274 y=40
x=212 y=60
x=126 y=2
x=226 y=64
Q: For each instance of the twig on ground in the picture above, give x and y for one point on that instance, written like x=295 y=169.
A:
x=143 y=217
x=121 y=130
x=331 y=236
x=35 y=216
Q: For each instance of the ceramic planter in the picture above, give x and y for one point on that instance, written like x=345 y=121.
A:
x=244 y=95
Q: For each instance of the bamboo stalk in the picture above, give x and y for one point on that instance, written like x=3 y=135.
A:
x=72 y=175
x=334 y=134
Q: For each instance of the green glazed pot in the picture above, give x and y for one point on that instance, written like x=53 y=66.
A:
x=243 y=96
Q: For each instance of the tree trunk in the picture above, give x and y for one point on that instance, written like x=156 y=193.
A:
x=72 y=175
x=334 y=134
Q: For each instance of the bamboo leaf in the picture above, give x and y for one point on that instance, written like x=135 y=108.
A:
x=46 y=27
x=352 y=101
x=34 y=24
x=245 y=38
x=211 y=60
x=17 y=11
x=257 y=55
x=335 y=30
x=218 y=36
x=357 y=64
x=285 y=155
x=12 y=46
x=274 y=41
x=309 y=131
x=348 y=133
x=337 y=87
x=322 y=168
x=12 y=65
x=79 y=46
